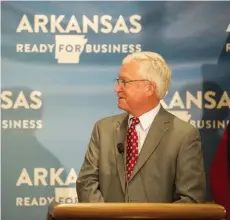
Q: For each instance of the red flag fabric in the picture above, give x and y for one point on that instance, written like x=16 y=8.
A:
x=219 y=173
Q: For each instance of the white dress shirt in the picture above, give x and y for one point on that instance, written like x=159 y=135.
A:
x=143 y=127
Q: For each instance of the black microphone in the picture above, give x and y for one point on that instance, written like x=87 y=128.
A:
x=121 y=150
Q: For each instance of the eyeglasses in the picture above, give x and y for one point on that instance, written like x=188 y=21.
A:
x=122 y=82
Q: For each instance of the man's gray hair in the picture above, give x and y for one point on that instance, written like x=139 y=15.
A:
x=154 y=68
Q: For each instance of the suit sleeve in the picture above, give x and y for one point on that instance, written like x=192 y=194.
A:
x=88 y=186
x=190 y=180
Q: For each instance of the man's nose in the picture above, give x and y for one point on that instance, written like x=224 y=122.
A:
x=117 y=88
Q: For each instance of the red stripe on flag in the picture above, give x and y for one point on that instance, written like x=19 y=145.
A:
x=219 y=174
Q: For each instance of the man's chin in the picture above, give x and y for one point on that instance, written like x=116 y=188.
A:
x=121 y=105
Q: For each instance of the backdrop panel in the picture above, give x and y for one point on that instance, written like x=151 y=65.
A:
x=59 y=60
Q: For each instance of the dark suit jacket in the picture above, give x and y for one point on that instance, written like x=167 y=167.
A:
x=169 y=167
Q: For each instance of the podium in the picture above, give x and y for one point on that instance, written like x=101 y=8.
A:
x=140 y=211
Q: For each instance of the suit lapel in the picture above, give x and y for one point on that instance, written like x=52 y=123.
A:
x=120 y=136
x=156 y=132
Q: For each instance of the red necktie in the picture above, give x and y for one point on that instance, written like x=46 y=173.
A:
x=132 y=147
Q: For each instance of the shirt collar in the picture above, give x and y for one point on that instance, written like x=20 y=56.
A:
x=147 y=118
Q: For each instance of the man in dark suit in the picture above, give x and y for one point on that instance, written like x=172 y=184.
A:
x=145 y=154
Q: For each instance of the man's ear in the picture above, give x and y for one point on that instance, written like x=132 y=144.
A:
x=151 y=88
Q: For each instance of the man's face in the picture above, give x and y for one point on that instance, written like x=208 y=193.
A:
x=131 y=95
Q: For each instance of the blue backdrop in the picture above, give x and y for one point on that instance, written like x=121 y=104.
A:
x=50 y=99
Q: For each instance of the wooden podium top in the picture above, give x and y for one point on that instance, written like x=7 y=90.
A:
x=139 y=211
